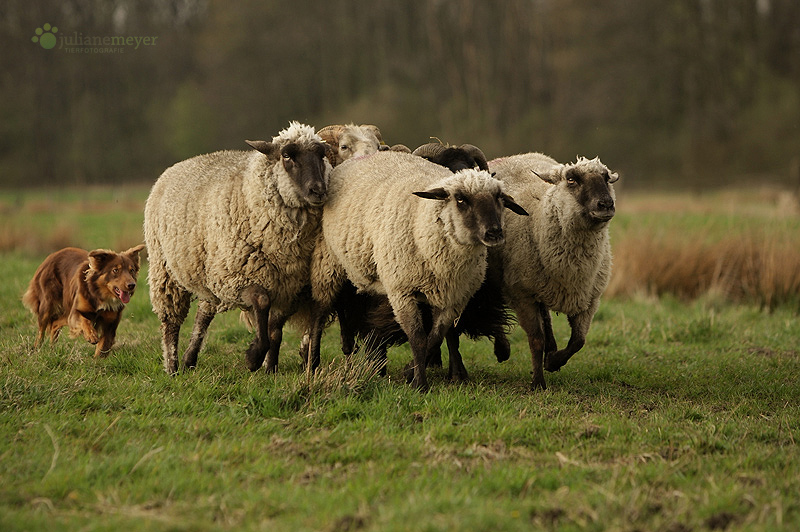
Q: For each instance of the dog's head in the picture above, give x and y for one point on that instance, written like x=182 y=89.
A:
x=114 y=274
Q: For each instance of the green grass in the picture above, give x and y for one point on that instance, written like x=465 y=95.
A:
x=675 y=417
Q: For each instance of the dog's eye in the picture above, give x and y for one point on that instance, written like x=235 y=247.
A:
x=115 y=271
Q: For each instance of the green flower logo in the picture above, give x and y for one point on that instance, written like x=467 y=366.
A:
x=45 y=36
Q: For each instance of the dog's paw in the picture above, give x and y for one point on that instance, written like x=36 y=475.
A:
x=91 y=336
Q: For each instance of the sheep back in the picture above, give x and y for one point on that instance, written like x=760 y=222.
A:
x=389 y=240
x=228 y=220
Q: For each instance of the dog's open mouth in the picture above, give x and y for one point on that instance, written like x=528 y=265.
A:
x=123 y=296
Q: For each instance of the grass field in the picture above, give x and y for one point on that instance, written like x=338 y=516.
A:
x=680 y=414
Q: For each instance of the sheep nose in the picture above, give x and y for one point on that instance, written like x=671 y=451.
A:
x=605 y=204
x=493 y=236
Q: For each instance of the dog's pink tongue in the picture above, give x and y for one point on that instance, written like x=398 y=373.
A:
x=125 y=297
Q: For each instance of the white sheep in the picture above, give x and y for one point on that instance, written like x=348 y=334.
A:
x=350 y=140
x=236 y=229
x=382 y=232
x=560 y=257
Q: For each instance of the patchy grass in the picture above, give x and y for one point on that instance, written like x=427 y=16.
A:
x=673 y=417
x=677 y=416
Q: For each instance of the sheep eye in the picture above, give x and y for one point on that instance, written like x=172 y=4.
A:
x=286 y=156
x=344 y=147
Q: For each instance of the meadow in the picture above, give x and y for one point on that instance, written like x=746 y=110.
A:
x=680 y=414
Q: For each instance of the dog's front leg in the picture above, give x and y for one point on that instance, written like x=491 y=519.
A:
x=108 y=330
x=80 y=324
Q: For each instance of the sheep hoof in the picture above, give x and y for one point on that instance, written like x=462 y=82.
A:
x=458 y=374
x=255 y=355
x=408 y=371
x=435 y=360
x=538 y=383
x=420 y=384
x=502 y=350
x=555 y=361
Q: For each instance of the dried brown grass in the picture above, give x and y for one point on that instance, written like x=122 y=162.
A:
x=757 y=262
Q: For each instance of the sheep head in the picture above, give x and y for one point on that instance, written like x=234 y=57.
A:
x=472 y=207
x=589 y=183
x=351 y=141
x=453 y=157
x=302 y=156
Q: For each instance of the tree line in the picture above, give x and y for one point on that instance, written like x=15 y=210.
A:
x=696 y=91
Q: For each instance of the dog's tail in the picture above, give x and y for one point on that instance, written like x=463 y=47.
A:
x=31 y=299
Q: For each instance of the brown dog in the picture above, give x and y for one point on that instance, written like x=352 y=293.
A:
x=86 y=291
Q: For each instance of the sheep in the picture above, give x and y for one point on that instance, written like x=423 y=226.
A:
x=236 y=229
x=453 y=157
x=350 y=141
x=384 y=241
x=560 y=257
x=371 y=317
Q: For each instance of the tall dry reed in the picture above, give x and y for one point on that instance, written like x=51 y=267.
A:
x=756 y=265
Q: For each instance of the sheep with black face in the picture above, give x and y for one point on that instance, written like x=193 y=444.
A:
x=236 y=229
x=371 y=318
x=560 y=257
x=402 y=226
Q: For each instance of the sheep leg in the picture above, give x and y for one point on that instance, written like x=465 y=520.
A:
x=319 y=311
x=435 y=352
x=205 y=313
x=579 y=324
x=502 y=347
x=171 y=304
x=456 y=370
x=347 y=329
x=169 y=343
x=408 y=316
x=258 y=299
x=550 y=343
x=170 y=332
x=276 y=323
x=530 y=319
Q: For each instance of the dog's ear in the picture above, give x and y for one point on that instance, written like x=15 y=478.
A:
x=98 y=258
x=133 y=253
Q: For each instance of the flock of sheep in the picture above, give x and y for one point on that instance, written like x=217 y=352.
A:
x=399 y=246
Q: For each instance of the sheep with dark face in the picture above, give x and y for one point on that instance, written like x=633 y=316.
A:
x=560 y=257
x=453 y=157
x=236 y=229
x=371 y=318
x=399 y=225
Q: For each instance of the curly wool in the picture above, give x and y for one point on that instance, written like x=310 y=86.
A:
x=392 y=242
x=552 y=255
x=219 y=223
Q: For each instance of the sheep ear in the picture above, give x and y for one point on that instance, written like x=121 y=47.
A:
x=613 y=177
x=267 y=148
x=513 y=206
x=434 y=193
